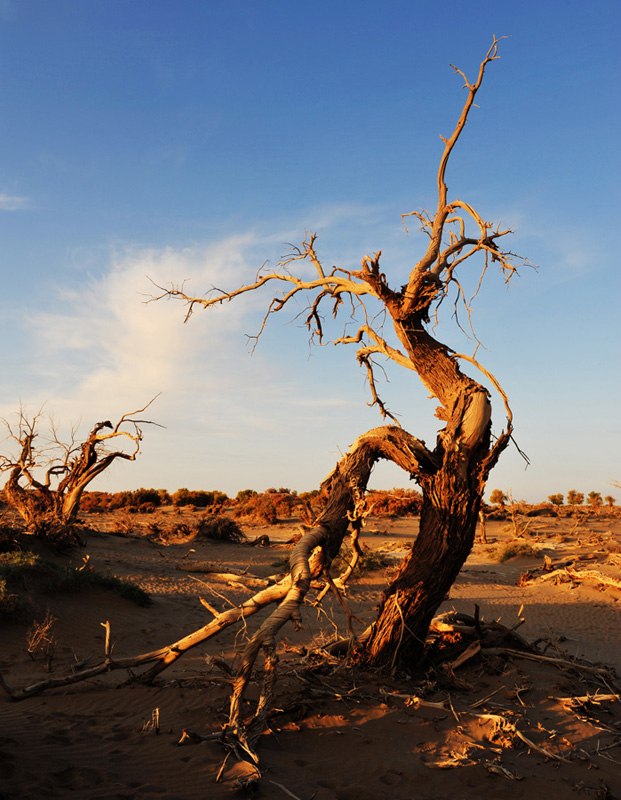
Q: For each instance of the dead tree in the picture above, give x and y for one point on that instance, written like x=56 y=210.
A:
x=46 y=482
x=452 y=475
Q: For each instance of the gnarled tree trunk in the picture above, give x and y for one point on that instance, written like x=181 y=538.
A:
x=452 y=495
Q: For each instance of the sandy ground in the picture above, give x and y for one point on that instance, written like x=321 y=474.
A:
x=335 y=734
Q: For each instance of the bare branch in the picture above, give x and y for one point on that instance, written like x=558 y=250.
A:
x=436 y=225
x=333 y=284
x=365 y=359
x=381 y=346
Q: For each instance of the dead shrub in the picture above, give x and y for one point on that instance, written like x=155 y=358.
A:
x=56 y=534
x=513 y=549
x=41 y=640
x=154 y=529
x=183 y=530
x=123 y=525
x=219 y=528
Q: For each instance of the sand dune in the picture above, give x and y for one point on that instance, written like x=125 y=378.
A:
x=336 y=733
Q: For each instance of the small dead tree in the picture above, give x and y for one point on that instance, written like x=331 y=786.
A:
x=46 y=482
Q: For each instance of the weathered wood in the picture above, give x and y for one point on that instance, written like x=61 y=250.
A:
x=565 y=574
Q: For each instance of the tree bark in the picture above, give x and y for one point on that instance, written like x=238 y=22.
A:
x=447 y=526
x=452 y=496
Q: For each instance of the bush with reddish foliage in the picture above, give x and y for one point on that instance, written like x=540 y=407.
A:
x=143 y=500
x=199 y=499
x=267 y=508
x=259 y=510
x=396 y=503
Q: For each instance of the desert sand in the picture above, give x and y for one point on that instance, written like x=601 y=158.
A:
x=337 y=732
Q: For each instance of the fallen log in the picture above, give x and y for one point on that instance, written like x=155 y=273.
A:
x=567 y=574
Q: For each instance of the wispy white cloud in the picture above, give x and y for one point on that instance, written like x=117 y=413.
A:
x=13 y=202
x=99 y=349
x=109 y=345
x=106 y=348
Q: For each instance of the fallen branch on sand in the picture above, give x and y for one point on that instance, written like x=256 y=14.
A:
x=309 y=558
x=231 y=574
x=500 y=724
x=567 y=575
x=601 y=672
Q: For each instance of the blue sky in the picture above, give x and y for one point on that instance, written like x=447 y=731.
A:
x=190 y=140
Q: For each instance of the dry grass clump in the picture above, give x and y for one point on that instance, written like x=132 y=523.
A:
x=21 y=572
x=513 y=549
x=41 y=640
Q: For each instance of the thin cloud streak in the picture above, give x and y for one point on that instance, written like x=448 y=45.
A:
x=13 y=202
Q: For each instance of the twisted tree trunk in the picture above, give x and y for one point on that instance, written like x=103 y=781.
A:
x=452 y=495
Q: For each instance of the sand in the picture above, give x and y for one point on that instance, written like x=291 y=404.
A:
x=336 y=733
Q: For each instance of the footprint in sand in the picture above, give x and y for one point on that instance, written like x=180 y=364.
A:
x=79 y=778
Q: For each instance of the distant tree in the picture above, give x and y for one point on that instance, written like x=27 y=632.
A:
x=141 y=496
x=245 y=494
x=498 y=497
x=609 y=500
x=46 y=482
x=556 y=499
x=594 y=499
x=575 y=498
x=181 y=497
x=185 y=497
x=309 y=495
x=165 y=498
